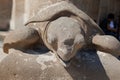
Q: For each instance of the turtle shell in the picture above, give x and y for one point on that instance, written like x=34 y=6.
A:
x=63 y=8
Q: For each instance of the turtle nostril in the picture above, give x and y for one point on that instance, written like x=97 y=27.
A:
x=69 y=50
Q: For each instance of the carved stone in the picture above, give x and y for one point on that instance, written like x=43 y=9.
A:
x=63 y=29
x=45 y=66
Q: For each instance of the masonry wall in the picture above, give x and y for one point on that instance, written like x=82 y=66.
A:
x=17 y=16
x=109 y=6
x=31 y=7
x=23 y=9
x=91 y=7
x=5 y=14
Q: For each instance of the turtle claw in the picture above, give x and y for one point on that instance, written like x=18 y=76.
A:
x=107 y=43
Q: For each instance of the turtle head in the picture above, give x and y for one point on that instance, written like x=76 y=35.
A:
x=66 y=35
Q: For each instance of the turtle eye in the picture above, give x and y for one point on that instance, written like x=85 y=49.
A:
x=69 y=42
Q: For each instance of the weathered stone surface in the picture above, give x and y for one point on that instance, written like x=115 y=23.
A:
x=45 y=65
x=85 y=66
x=83 y=23
x=107 y=44
x=79 y=33
x=21 y=66
x=25 y=34
x=110 y=64
x=2 y=54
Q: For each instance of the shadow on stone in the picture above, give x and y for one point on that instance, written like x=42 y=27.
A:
x=88 y=66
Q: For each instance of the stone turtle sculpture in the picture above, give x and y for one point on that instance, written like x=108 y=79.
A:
x=63 y=29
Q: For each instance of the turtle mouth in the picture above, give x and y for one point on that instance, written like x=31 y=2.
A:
x=65 y=61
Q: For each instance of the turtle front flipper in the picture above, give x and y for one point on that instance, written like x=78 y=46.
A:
x=20 y=39
x=107 y=43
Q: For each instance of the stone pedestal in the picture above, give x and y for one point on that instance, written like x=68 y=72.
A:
x=33 y=65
